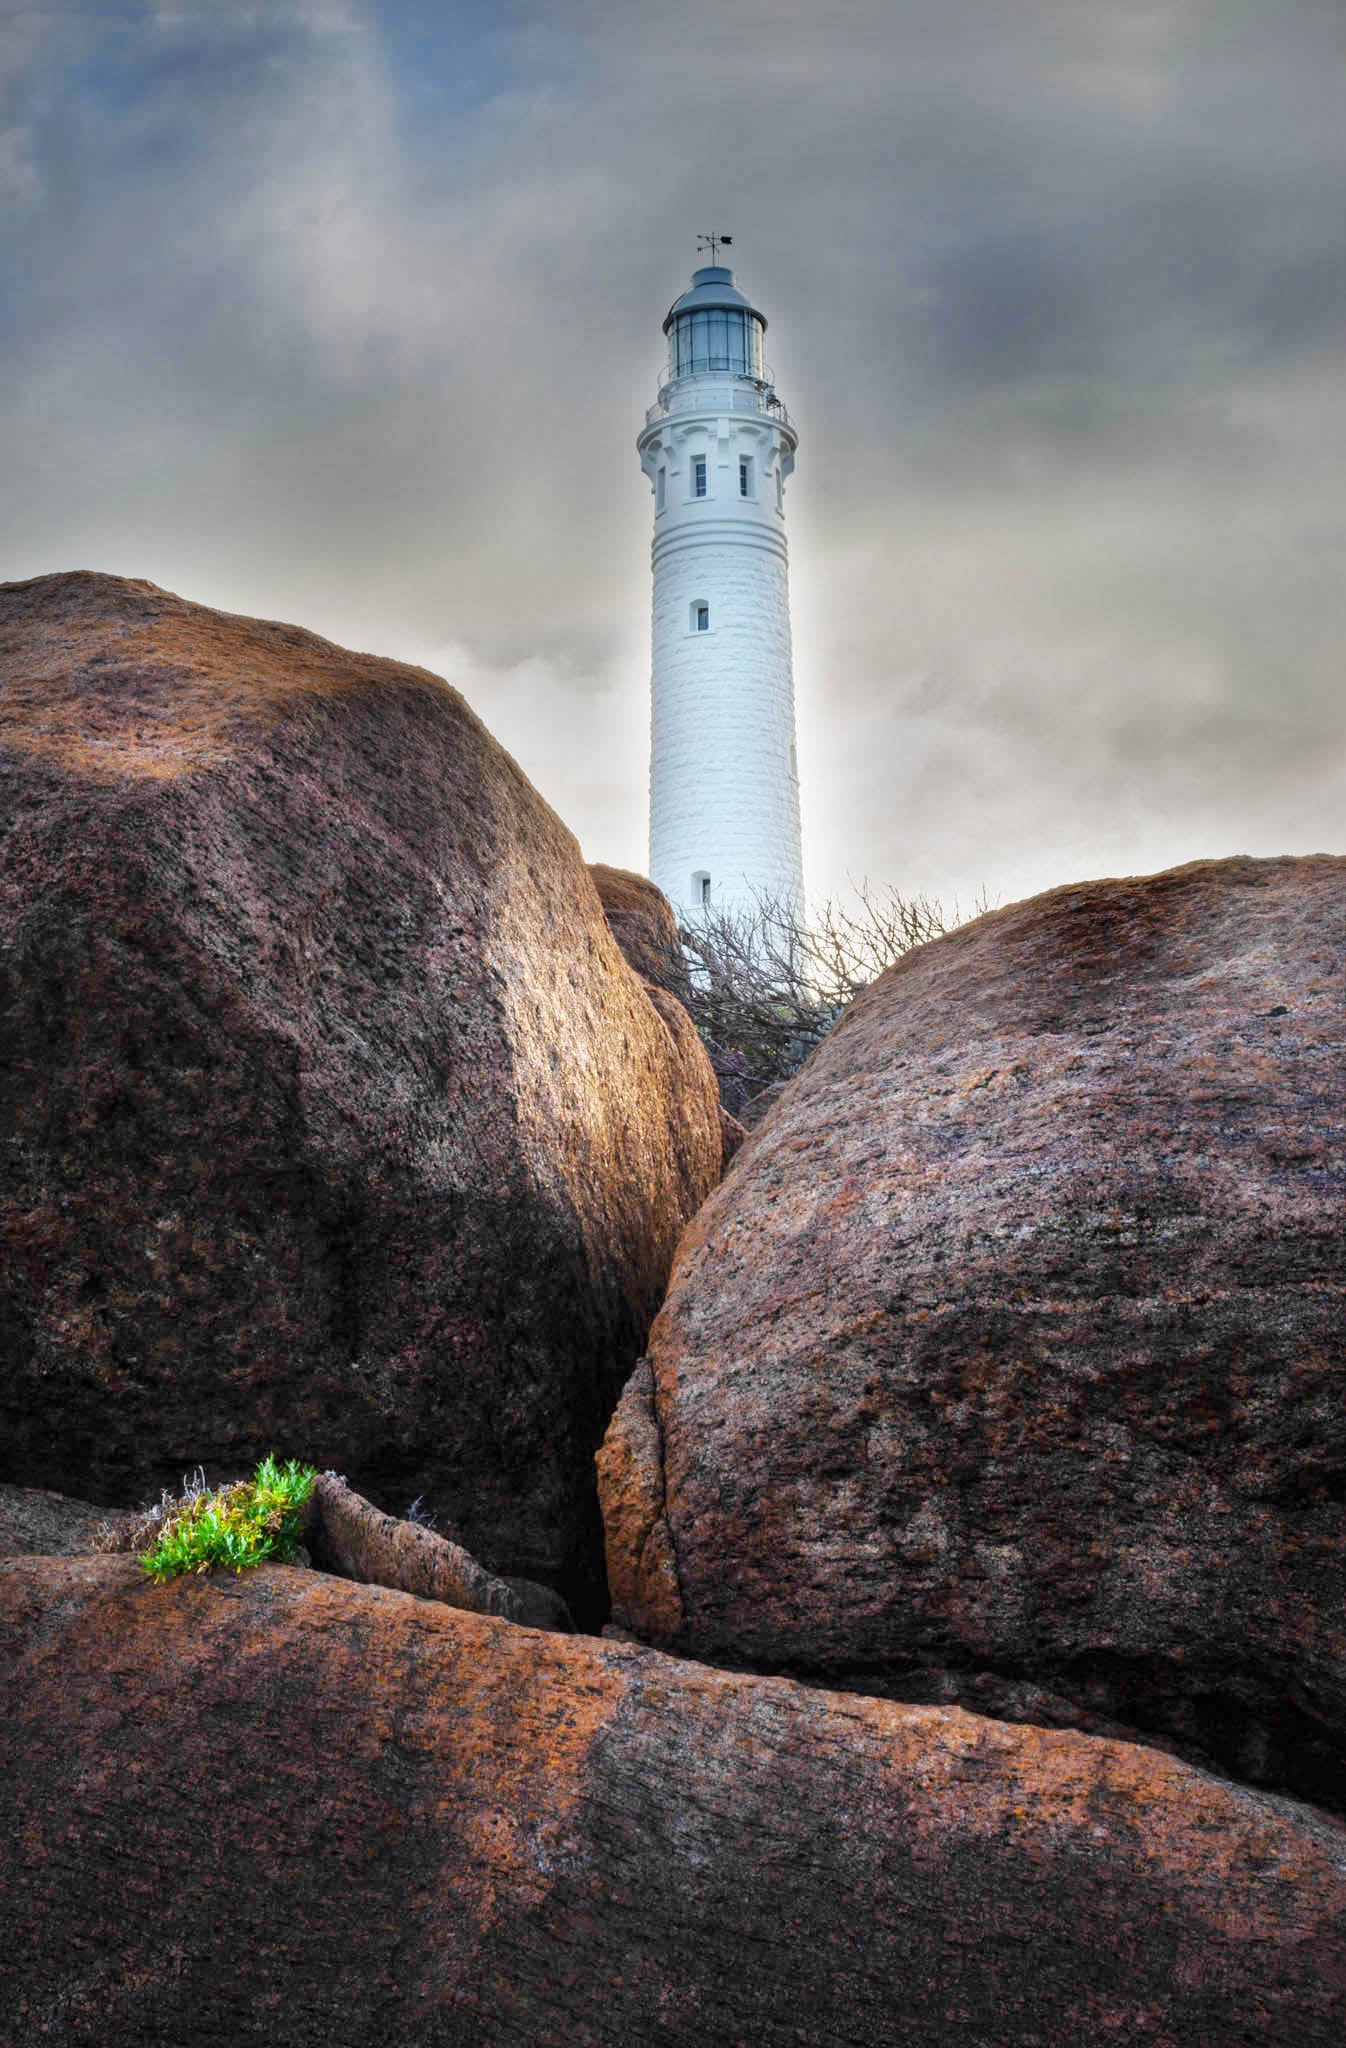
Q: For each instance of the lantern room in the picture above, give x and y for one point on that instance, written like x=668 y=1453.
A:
x=713 y=328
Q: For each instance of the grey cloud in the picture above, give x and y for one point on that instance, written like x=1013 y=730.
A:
x=1055 y=291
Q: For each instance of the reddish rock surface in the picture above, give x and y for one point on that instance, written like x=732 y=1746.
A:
x=279 y=1803
x=336 y=1123
x=1007 y=1365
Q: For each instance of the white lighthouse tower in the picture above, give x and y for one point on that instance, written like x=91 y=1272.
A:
x=717 y=447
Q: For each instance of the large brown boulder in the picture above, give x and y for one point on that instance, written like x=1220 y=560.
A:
x=280 y=1801
x=642 y=922
x=336 y=1122
x=640 y=918
x=1008 y=1363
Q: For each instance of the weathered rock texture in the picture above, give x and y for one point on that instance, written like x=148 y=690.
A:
x=642 y=922
x=279 y=1800
x=37 y=1523
x=349 y=1535
x=333 y=1119
x=1007 y=1364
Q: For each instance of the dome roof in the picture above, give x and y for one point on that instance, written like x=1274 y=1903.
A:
x=712 y=287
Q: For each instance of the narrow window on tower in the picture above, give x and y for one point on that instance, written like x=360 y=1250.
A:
x=780 y=492
x=700 y=617
x=659 y=490
x=701 y=888
x=745 y=476
x=699 y=476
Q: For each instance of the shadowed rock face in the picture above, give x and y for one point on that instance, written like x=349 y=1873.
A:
x=338 y=1124
x=279 y=1793
x=1007 y=1364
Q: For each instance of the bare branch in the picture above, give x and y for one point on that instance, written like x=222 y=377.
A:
x=768 y=983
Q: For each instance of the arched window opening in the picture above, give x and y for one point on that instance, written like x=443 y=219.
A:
x=700 y=615
x=701 y=889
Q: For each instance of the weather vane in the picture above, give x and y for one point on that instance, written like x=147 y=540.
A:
x=713 y=243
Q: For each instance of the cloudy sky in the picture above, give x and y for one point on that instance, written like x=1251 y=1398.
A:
x=347 y=312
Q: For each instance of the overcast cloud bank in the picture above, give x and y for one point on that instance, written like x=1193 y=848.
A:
x=348 y=314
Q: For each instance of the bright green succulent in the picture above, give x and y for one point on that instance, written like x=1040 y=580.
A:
x=236 y=1526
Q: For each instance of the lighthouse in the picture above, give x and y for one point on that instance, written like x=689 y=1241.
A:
x=717 y=446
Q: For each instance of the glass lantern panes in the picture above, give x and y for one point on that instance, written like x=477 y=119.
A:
x=717 y=339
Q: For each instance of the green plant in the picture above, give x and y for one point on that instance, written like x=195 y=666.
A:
x=236 y=1526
